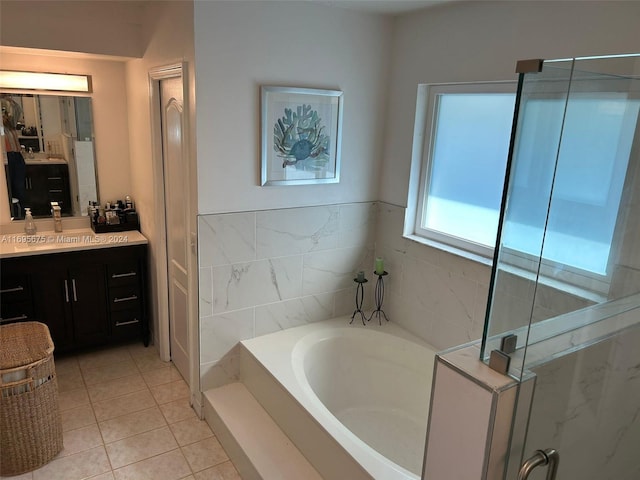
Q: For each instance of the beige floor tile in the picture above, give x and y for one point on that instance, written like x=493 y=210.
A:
x=73 y=399
x=131 y=424
x=66 y=364
x=70 y=380
x=77 y=418
x=176 y=411
x=131 y=398
x=169 y=392
x=168 y=466
x=204 y=454
x=165 y=374
x=224 y=471
x=140 y=447
x=81 y=439
x=116 y=388
x=104 y=373
x=190 y=431
x=106 y=356
x=149 y=362
x=104 y=476
x=139 y=350
x=115 y=407
x=75 y=467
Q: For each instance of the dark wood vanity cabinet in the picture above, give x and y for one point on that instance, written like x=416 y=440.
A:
x=44 y=184
x=16 y=303
x=86 y=298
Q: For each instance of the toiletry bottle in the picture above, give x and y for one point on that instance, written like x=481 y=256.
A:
x=29 y=224
x=57 y=217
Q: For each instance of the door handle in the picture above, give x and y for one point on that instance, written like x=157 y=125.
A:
x=66 y=291
x=73 y=284
x=549 y=457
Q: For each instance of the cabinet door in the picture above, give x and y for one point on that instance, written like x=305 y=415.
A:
x=52 y=300
x=36 y=191
x=88 y=293
x=15 y=294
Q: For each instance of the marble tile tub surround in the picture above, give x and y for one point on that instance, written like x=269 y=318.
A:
x=593 y=389
x=439 y=296
x=264 y=271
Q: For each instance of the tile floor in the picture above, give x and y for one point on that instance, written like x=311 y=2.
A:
x=126 y=416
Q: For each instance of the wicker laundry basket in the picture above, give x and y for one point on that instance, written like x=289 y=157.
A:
x=30 y=425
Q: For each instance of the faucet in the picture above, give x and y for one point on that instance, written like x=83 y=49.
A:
x=57 y=216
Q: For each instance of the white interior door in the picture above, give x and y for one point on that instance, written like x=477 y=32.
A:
x=176 y=207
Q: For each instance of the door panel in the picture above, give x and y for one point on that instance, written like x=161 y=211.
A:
x=176 y=201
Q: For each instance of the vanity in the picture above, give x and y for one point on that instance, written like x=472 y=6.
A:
x=89 y=289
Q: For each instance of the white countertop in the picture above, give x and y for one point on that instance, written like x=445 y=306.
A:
x=21 y=244
x=45 y=161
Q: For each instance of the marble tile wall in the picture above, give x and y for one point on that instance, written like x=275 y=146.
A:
x=439 y=296
x=264 y=271
x=594 y=389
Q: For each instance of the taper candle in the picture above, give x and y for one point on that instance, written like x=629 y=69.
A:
x=379 y=266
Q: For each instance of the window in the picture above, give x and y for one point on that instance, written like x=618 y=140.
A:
x=468 y=128
x=580 y=154
x=592 y=158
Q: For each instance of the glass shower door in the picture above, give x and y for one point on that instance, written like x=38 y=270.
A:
x=565 y=289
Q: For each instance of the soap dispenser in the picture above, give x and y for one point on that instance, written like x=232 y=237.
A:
x=29 y=223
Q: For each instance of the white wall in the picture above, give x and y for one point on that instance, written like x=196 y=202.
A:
x=168 y=39
x=243 y=45
x=475 y=41
x=110 y=116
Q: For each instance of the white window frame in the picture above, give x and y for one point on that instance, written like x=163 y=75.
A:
x=577 y=281
x=424 y=142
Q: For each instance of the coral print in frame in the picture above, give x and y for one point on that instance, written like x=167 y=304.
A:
x=301 y=136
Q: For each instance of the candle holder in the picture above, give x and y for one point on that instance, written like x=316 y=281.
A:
x=379 y=296
x=359 y=299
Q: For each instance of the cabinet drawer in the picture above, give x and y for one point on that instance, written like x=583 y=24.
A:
x=123 y=274
x=124 y=298
x=16 y=312
x=126 y=324
x=15 y=288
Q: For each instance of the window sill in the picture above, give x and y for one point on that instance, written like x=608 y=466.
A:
x=568 y=288
x=474 y=257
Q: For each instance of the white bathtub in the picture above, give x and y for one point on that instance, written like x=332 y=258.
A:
x=354 y=399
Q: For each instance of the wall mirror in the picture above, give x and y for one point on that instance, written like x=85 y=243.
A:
x=55 y=134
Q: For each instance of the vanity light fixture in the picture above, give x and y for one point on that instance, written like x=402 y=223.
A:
x=60 y=82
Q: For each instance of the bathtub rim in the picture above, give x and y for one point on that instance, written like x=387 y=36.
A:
x=269 y=350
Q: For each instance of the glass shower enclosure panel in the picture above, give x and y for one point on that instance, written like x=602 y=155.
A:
x=565 y=290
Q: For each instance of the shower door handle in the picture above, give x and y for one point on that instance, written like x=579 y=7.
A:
x=549 y=457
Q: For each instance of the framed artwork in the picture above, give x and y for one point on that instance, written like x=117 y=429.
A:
x=301 y=136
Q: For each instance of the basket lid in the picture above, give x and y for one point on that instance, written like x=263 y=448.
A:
x=24 y=343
